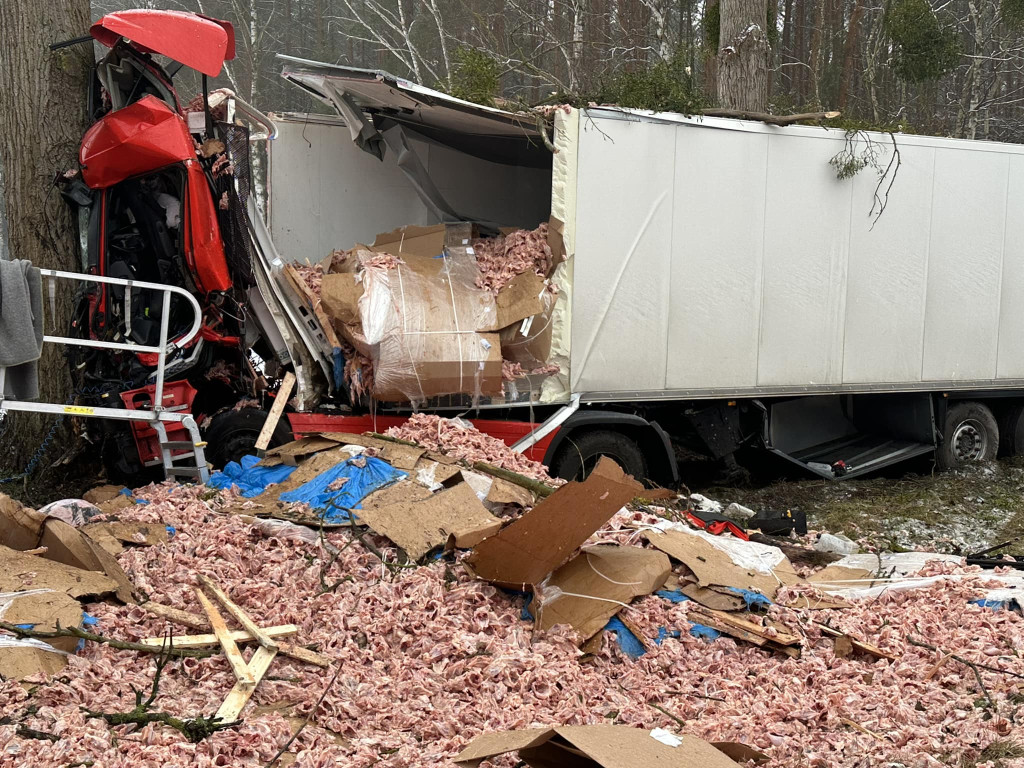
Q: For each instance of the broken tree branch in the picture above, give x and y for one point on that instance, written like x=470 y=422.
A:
x=122 y=645
x=921 y=644
x=764 y=117
x=535 y=486
x=967 y=662
x=194 y=729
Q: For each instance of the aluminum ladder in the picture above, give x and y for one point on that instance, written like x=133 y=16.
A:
x=156 y=417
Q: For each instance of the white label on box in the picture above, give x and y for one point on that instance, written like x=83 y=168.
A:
x=667 y=738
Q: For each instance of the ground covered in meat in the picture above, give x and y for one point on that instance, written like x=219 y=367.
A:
x=430 y=658
x=467 y=443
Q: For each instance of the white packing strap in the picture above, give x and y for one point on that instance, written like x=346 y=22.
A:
x=551 y=594
x=455 y=314
x=408 y=355
x=6 y=598
x=606 y=578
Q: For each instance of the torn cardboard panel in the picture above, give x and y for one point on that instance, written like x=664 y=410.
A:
x=741 y=753
x=524 y=296
x=102 y=493
x=20 y=572
x=504 y=492
x=23 y=657
x=115 y=536
x=420 y=526
x=608 y=746
x=592 y=587
x=525 y=552
x=424 y=242
x=22 y=529
x=714 y=567
x=44 y=610
x=294 y=452
x=711 y=598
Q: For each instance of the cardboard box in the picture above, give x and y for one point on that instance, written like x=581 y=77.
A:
x=427 y=242
x=522 y=554
x=590 y=746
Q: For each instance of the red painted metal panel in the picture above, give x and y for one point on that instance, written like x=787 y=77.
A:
x=204 y=249
x=142 y=137
x=509 y=432
x=199 y=42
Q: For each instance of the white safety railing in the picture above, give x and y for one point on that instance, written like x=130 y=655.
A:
x=157 y=413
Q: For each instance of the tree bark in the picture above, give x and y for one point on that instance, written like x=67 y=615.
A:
x=850 y=52
x=743 y=55
x=42 y=118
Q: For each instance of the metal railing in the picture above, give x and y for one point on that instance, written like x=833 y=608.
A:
x=157 y=413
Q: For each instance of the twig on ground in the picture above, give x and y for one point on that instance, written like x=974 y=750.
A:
x=190 y=653
x=974 y=668
x=309 y=718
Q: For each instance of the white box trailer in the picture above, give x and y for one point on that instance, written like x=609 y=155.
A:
x=722 y=288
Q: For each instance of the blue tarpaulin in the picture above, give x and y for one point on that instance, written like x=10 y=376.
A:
x=361 y=482
x=751 y=598
x=674 y=595
x=704 y=632
x=628 y=642
x=250 y=479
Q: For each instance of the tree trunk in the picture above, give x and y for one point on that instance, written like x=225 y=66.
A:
x=815 y=62
x=743 y=55
x=42 y=118
x=850 y=52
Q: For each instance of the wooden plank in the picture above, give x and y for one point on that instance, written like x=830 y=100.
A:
x=239 y=696
x=280 y=401
x=238 y=614
x=178 y=616
x=858 y=645
x=238 y=635
x=235 y=658
x=202 y=624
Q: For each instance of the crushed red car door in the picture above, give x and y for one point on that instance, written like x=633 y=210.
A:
x=199 y=42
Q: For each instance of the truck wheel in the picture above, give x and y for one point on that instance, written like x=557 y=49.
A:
x=1011 y=431
x=970 y=434
x=579 y=456
x=232 y=434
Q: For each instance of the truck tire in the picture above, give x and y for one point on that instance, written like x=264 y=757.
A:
x=970 y=434
x=580 y=455
x=232 y=434
x=1011 y=431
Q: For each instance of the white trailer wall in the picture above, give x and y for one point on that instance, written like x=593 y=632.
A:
x=328 y=194
x=718 y=257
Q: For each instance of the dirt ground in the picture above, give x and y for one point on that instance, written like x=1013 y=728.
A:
x=956 y=512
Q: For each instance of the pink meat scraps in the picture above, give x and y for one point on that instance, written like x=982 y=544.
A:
x=501 y=259
x=467 y=443
x=431 y=658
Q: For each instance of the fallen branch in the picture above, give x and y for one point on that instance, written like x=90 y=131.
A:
x=679 y=721
x=764 y=117
x=309 y=718
x=962 y=660
x=535 y=486
x=967 y=662
x=194 y=729
x=122 y=645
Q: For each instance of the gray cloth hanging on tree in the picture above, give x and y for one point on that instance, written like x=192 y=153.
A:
x=21 y=327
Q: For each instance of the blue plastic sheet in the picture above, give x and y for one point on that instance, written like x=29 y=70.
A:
x=628 y=642
x=751 y=598
x=88 y=622
x=673 y=595
x=362 y=481
x=250 y=479
x=664 y=634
